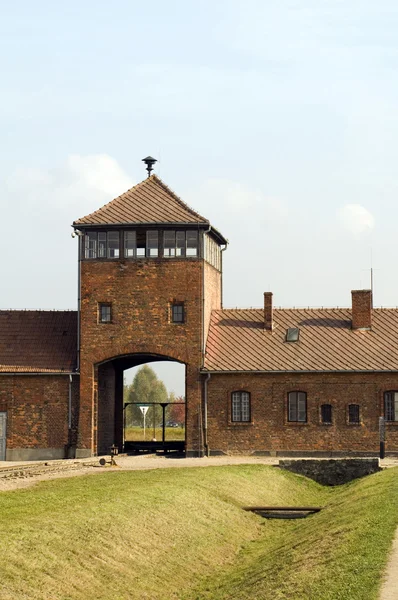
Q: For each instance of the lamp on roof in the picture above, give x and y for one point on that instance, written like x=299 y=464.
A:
x=149 y=161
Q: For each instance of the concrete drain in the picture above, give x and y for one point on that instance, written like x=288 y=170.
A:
x=283 y=512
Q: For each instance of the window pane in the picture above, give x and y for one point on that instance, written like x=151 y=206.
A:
x=292 y=406
x=326 y=413
x=102 y=244
x=169 y=243
x=129 y=244
x=236 y=406
x=353 y=413
x=180 y=243
x=113 y=244
x=178 y=313
x=141 y=243
x=152 y=244
x=90 y=244
x=192 y=244
x=395 y=415
x=301 y=407
x=245 y=406
x=105 y=313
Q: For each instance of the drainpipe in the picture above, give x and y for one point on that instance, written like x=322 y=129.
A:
x=206 y=445
x=69 y=444
x=80 y=244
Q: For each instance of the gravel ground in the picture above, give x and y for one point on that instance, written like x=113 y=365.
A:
x=26 y=476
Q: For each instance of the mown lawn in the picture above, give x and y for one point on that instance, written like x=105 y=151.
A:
x=181 y=534
x=136 y=434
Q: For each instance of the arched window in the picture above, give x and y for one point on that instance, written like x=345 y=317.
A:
x=391 y=406
x=240 y=407
x=297 y=409
x=353 y=414
x=326 y=413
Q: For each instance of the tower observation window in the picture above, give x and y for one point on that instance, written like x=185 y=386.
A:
x=180 y=243
x=102 y=244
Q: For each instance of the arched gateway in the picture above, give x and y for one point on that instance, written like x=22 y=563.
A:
x=111 y=409
x=149 y=277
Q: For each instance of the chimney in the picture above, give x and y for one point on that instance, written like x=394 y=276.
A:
x=268 y=311
x=361 y=309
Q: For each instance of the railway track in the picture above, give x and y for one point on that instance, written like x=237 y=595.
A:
x=44 y=468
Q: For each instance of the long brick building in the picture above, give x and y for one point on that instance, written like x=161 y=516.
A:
x=269 y=381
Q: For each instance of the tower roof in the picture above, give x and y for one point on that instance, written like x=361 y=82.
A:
x=149 y=202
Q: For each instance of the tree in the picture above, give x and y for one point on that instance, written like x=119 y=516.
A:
x=176 y=410
x=145 y=389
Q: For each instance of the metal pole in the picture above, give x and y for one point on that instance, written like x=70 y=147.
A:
x=382 y=432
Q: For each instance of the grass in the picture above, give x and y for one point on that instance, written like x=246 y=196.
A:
x=181 y=534
x=136 y=434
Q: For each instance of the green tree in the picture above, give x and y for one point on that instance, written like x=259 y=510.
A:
x=145 y=389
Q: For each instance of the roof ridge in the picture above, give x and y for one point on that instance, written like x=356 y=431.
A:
x=177 y=198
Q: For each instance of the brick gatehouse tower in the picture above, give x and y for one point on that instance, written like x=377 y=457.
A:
x=149 y=277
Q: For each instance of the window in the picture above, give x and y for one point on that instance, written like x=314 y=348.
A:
x=192 y=243
x=90 y=245
x=113 y=244
x=180 y=244
x=292 y=334
x=177 y=312
x=391 y=406
x=130 y=244
x=105 y=313
x=326 y=414
x=240 y=407
x=169 y=244
x=297 y=410
x=152 y=244
x=102 y=244
x=353 y=414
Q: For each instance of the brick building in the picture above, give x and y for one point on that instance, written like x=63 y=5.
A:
x=269 y=381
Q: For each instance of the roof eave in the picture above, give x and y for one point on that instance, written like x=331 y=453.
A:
x=201 y=225
x=204 y=371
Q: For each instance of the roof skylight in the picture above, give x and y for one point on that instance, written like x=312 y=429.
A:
x=292 y=334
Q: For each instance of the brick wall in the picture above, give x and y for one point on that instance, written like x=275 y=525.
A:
x=269 y=429
x=106 y=408
x=140 y=293
x=37 y=415
x=212 y=294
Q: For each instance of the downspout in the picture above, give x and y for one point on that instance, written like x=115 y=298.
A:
x=204 y=417
x=80 y=238
x=206 y=445
x=69 y=444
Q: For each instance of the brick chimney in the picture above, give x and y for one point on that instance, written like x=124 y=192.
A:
x=361 y=309
x=268 y=311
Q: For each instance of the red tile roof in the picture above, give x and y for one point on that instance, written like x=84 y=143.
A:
x=36 y=341
x=151 y=201
x=237 y=341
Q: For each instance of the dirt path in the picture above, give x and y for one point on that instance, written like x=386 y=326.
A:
x=389 y=588
x=23 y=475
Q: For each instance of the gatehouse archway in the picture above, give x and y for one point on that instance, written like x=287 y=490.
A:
x=120 y=421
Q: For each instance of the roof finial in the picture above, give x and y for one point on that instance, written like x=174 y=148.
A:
x=149 y=161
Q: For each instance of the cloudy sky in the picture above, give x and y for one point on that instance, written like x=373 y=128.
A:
x=275 y=119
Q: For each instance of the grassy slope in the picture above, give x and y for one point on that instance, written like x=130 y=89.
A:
x=158 y=534
x=338 y=554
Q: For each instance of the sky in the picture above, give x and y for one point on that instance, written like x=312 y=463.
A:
x=275 y=119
